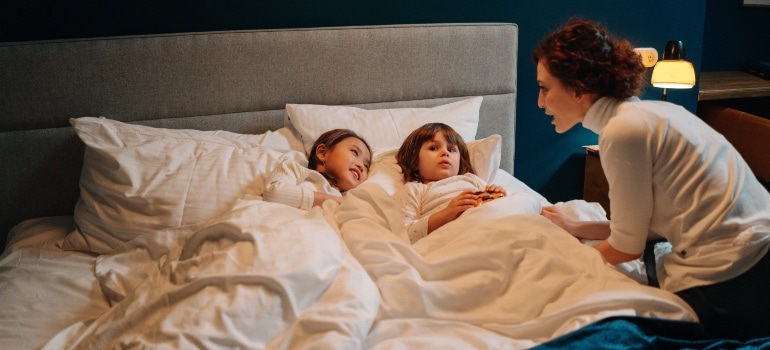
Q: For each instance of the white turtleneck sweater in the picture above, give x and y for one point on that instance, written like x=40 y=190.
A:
x=670 y=173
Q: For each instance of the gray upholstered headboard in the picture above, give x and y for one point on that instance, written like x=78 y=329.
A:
x=237 y=81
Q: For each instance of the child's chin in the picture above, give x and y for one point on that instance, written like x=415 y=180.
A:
x=347 y=186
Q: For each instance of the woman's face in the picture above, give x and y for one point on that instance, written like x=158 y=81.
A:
x=559 y=102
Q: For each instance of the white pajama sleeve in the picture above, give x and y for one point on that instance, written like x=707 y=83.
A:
x=284 y=186
x=416 y=227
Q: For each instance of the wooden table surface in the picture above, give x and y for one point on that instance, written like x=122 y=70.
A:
x=731 y=84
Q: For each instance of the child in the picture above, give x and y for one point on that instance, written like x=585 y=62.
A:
x=440 y=181
x=338 y=162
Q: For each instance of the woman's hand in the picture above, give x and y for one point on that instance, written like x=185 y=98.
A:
x=581 y=229
x=552 y=214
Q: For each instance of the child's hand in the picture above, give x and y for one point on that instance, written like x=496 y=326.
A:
x=320 y=197
x=338 y=199
x=495 y=189
x=490 y=192
x=462 y=202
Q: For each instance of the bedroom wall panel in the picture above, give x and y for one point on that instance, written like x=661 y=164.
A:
x=550 y=163
x=238 y=81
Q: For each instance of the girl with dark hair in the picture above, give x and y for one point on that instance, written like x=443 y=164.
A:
x=670 y=175
x=440 y=181
x=338 y=162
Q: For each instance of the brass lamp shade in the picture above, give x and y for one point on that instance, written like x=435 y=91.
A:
x=673 y=71
x=673 y=75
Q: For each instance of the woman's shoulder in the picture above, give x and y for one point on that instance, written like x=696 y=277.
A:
x=631 y=117
x=645 y=116
x=634 y=108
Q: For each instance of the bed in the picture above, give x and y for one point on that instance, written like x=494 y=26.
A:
x=131 y=198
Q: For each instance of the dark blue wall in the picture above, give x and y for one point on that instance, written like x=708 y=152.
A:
x=734 y=34
x=550 y=163
x=553 y=163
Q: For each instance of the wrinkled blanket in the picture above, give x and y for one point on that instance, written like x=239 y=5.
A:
x=498 y=275
x=267 y=276
x=263 y=275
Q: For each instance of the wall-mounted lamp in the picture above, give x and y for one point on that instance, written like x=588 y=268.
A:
x=673 y=71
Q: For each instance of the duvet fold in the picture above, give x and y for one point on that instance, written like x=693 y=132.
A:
x=262 y=275
x=499 y=274
x=267 y=276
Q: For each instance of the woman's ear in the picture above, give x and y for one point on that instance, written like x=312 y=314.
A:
x=585 y=98
x=578 y=95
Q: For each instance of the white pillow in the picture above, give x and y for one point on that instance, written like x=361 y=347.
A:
x=138 y=179
x=485 y=156
x=484 y=153
x=382 y=129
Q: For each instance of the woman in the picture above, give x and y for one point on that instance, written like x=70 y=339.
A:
x=670 y=175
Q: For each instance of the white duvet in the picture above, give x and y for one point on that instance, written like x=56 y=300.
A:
x=263 y=275
x=499 y=276
x=266 y=276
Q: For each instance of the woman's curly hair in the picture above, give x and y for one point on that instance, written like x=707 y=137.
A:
x=584 y=57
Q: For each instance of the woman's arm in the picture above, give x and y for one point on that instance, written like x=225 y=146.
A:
x=595 y=230
x=628 y=146
x=579 y=229
x=614 y=256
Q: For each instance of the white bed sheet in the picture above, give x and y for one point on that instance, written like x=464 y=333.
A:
x=500 y=274
x=44 y=289
x=265 y=275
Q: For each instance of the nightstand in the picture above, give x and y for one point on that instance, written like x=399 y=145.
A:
x=731 y=85
x=595 y=186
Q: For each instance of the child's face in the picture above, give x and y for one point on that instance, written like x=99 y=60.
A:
x=438 y=159
x=347 y=162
